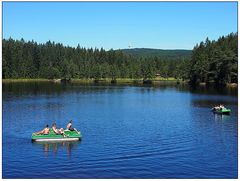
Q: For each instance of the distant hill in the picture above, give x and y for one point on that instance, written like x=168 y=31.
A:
x=148 y=52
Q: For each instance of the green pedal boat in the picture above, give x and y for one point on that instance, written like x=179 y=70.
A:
x=52 y=137
x=221 y=111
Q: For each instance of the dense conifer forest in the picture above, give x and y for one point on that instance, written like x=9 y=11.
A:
x=210 y=61
x=53 y=60
x=215 y=61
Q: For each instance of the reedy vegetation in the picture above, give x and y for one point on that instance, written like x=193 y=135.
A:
x=211 y=61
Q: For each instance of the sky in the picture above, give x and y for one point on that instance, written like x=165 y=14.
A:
x=116 y=25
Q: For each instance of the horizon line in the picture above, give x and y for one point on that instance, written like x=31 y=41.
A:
x=66 y=45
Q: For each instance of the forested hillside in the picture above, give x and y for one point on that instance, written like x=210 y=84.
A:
x=164 y=54
x=215 y=61
x=23 y=59
x=211 y=61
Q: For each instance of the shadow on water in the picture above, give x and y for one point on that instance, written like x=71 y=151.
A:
x=54 y=147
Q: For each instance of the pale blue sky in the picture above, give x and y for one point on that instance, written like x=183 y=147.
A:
x=164 y=25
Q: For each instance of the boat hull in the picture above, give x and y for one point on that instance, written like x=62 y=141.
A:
x=224 y=111
x=55 y=139
x=52 y=137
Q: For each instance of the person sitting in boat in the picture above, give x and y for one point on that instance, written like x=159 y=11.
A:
x=57 y=131
x=69 y=126
x=45 y=131
x=215 y=108
x=221 y=106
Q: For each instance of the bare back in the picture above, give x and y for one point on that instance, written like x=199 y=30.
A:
x=46 y=131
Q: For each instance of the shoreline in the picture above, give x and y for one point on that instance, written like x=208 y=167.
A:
x=154 y=81
x=84 y=80
x=25 y=80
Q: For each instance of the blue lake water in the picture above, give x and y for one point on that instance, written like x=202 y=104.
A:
x=128 y=132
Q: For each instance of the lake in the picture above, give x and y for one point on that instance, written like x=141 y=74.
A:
x=128 y=131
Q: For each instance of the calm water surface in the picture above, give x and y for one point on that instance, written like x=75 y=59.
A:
x=128 y=132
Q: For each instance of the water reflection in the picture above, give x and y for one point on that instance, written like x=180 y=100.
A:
x=48 y=88
x=210 y=103
x=55 y=147
x=221 y=117
x=214 y=90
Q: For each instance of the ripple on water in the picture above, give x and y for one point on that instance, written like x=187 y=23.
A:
x=128 y=132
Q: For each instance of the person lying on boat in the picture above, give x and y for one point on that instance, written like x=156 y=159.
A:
x=45 y=131
x=69 y=126
x=58 y=131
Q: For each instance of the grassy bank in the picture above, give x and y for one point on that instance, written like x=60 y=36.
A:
x=90 y=81
x=25 y=80
x=123 y=81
